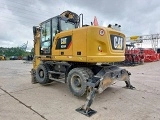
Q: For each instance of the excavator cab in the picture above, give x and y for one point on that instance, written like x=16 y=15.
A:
x=48 y=32
x=49 y=28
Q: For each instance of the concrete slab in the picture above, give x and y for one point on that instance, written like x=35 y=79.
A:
x=114 y=103
x=55 y=102
x=1 y=92
x=15 y=76
x=10 y=109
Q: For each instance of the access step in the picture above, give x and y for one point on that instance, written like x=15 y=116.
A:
x=55 y=72
x=61 y=78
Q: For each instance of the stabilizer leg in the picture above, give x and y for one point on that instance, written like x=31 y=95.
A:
x=128 y=83
x=85 y=109
x=33 y=75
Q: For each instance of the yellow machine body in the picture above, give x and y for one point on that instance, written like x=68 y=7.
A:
x=91 y=44
x=67 y=53
x=2 y=58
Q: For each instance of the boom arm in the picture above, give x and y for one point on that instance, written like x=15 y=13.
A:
x=72 y=17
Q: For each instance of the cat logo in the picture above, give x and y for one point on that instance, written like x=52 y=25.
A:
x=63 y=41
x=118 y=42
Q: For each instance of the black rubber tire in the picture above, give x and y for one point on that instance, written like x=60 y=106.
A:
x=44 y=78
x=82 y=75
x=90 y=72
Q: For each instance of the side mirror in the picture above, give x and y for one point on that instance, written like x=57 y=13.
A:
x=34 y=30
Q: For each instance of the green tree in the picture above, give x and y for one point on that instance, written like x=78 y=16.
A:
x=14 y=51
x=32 y=51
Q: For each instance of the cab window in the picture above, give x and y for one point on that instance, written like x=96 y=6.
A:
x=54 y=27
x=46 y=38
x=65 y=25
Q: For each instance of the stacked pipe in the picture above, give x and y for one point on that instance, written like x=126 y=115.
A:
x=158 y=52
x=150 y=55
x=140 y=55
x=134 y=56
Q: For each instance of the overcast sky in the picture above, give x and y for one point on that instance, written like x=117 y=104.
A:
x=17 y=17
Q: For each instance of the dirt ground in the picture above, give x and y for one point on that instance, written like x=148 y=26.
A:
x=21 y=100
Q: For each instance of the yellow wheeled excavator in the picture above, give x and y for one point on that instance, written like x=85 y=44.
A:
x=68 y=51
x=2 y=57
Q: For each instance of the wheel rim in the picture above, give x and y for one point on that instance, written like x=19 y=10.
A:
x=41 y=73
x=76 y=82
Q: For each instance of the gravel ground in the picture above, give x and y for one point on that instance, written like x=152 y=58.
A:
x=21 y=100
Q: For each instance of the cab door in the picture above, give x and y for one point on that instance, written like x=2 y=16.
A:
x=55 y=30
x=45 y=42
x=63 y=40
